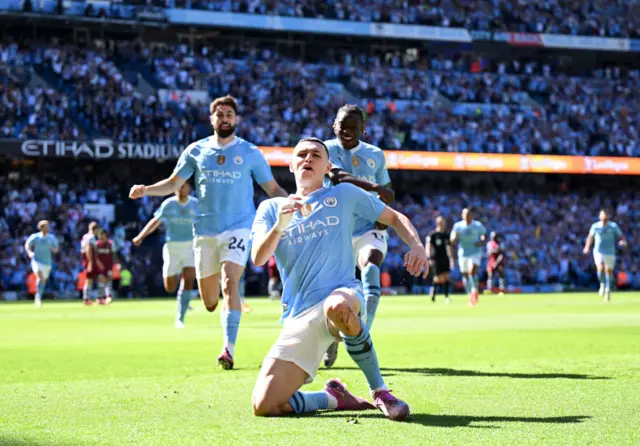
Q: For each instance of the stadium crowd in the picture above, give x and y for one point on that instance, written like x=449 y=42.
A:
x=514 y=107
x=617 y=18
x=543 y=231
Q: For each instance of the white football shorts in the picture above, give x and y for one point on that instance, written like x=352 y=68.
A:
x=466 y=263
x=211 y=252
x=374 y=239
x=176 y=256
x=609 y=260
x=40 y=269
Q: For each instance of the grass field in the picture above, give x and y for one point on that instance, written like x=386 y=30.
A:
x=547 y=369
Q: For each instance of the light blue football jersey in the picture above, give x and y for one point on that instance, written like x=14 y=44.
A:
x=315 y=255
x=177 y=218
x=42 y=247
x=364 y=161
x=224 y=183
x=606 y=237
x=468 y=236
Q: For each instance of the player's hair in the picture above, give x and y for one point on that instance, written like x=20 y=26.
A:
x=439 y=219
x=351 y=109
x=605 y=211
x=315 y=140
x=93 y=225
x=41 y=223
x=224 y=100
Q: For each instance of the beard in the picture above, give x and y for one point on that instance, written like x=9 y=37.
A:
x=225 y=132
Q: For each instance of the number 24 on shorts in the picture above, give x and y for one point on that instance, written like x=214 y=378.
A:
x=235 y=243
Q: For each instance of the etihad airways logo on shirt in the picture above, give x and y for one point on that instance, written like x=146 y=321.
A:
x=309 y=230
x=221 y=176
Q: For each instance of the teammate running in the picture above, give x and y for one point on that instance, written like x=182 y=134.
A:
x=606 y=235
x=89 y=263
x=440 y=257
x=224 y=167
x=364 y=165
x=177 y=214
x=495 y=263
x=310 y=233
x=470 y=235
x=40 y=247
x=107 y=256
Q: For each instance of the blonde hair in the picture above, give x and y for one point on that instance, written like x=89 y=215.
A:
x=41 y=223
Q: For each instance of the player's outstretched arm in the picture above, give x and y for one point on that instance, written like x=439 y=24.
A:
x=148 y=229
x=160 y=189
x=273 y=189
x=415 y=260
x=265 y=243
x=337 y=176
x=27 y=249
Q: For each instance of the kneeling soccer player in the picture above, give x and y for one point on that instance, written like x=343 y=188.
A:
x=310 y=235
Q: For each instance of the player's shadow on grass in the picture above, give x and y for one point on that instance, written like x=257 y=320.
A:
x=435 y=420
x=439 y=371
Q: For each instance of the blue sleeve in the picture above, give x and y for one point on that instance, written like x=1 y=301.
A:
x=30 y=240
x=483 y=230
x=592 y=230
x=56 y=244
x=160 y=212
x=364 y=205
x=265 y=219
x=186 y=166
x=382 y=176
x=260 y=169
x=619 y=232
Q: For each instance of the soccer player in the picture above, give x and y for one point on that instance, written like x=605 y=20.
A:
x=177 y=214
x=441 y=258
x=275 y=284
x=364 y=165
x=224 y=167
x=40 y=247
x=470 y=236
x=88 y=251
x=606 y=234
x=495 y=263
x=310 y=235
x=106 y=254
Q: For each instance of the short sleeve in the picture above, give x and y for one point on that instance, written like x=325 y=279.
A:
x=56 y=243
x=364 y=205
x=260 y=169
x=159 y=213
x=483 y=230
x=454 y=230
x=592 y=230
x=619 y=231
x=30 y=240
x=382 y=176
x=265 y=219
x=186 y=165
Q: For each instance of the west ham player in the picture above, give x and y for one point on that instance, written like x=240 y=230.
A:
x=177 y=214
x=440 y=257
x=40 y=247
x=470 y=236
x=88 y=251
x=224 y=167
x=275 y=284
x=310 y=234
x=106 y=254
x=607 y=235
x=364 y=165
x=495 y=263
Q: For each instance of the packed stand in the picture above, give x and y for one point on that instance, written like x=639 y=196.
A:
x=617 y=18
x=543 y=233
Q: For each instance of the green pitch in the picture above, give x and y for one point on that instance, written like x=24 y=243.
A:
x=550 y=369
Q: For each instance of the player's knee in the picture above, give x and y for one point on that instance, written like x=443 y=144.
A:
x=211 y=307
x=340 y=312
x=262 y=407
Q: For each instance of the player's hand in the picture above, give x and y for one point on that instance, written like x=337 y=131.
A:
x=31 y=254
x=285 y=215
x=137 y=191
x=479 y=243
x=416 y=262
x=100 y=265
x=386 y=195
x=622 y=243
x=90 y=268
x=137 y=241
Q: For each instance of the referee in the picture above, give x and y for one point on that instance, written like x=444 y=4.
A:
x=438 y=248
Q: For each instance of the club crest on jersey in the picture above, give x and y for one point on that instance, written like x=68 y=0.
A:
x=221 y=159
x=372 y=163
x=182 y=211
x=330 y=202
x=355 y=161
x=238 y=160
